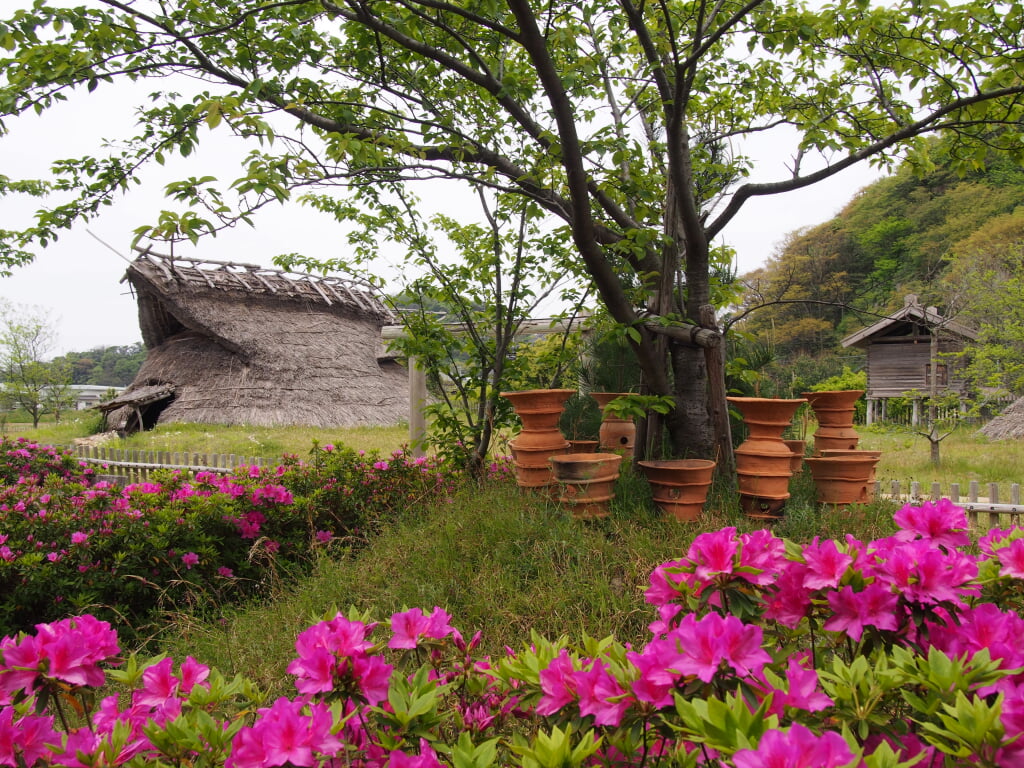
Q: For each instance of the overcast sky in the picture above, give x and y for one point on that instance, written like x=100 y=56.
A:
x=77 y=280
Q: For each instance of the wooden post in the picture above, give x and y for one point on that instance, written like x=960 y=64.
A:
x=417 y=402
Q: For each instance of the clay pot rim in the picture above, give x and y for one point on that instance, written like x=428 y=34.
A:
x=678 y=463
x=537 y=391
x=843 y=452
x=573 y=458
x=859 y=392
x=826 y=460
x=766 y=399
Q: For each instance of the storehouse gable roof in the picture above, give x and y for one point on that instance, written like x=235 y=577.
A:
x=910 y=312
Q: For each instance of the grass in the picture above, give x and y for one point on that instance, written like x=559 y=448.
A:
x=965 y=456
x=268 y=442
x=506 y=563
x=501 y=562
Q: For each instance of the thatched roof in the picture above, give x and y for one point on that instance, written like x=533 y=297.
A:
x=241 y=344
x=1007 y=425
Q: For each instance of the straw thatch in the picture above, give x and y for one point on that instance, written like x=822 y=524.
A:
x=1007 y=425
x=240 y=344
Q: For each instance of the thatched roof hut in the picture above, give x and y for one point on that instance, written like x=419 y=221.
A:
x=241 y=344
x=1007 y=425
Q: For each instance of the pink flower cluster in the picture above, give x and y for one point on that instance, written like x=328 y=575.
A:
x=744 y=621
x=334 y=657
x=68 y=651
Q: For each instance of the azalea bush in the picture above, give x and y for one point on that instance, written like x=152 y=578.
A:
x=70 y=544
x=906 y=650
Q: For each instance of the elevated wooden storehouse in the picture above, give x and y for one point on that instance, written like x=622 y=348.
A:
x=900 y=356
x=241 y=344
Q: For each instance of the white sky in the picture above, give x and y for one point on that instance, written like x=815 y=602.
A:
x=76 y=281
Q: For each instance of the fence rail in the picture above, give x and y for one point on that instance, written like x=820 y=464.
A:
x=129 y=466
x=982 y=511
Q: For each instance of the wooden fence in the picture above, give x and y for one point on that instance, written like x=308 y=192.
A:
x=982 y=511
x=125 y=467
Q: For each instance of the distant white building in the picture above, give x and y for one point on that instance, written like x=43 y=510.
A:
x=90 y=395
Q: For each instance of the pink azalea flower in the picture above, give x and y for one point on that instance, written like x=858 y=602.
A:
x=601 y=695
x=942 y=523
x=665 y=583
x=705 y=644
x=1011 y=558
x=923 y=573
x=656 y=680
x=427 y=758
x=986 y=627
x=762 y=556
x=409 y=626
x=285 y=735
x=79 y=538
x=25 y=740
x=802 y=690
x=713 y=553
x=825 y=564
x=796 y=748
x=334 y=653
x=558 y=683
x=373 y=676
x=190 y=559
x=875 y=606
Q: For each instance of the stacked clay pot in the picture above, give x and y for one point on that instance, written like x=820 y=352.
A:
x=618 y=435
x=586 y=482
x=834 y=411
x=679 y=486
x=763 y=461
x=844 y=478
x=539 y=410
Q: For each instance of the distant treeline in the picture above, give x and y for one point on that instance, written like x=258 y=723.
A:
x=114 y=366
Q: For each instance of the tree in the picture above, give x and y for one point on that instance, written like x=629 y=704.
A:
x=624 y=121
x=58 y=395
x=116 y=366
x=26 y=336
x=461 y=319
x=986 y=279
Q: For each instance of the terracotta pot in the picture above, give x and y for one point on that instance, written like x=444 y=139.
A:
x=533 y=477
x=835 y=439
x=856 y=452
x=763 y=460
x=586 y=466
x=533 y=440
x=615 y=434
x=586 y=482
x=834 y=411
x=539 y=409
x=582 y=446
x=843 y=479
x=679 y=486
x=834 y=408
x=798 y=447
x=536 y=457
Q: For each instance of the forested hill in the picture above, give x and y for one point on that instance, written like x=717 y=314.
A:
x=955 y=241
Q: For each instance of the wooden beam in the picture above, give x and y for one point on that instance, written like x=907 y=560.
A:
x=685 y=333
